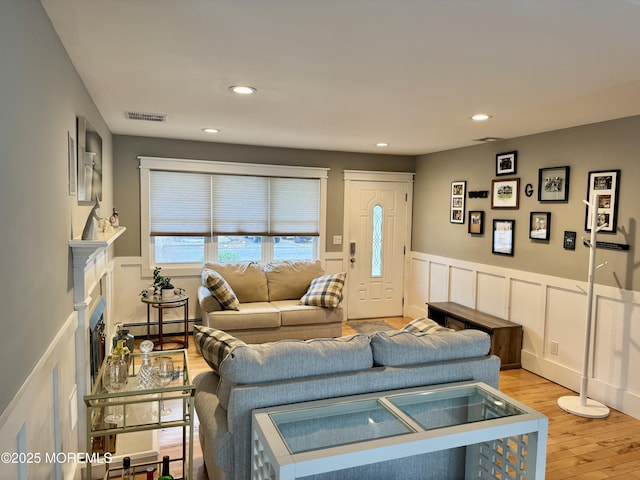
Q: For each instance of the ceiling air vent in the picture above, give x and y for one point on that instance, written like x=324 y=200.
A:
x=147 y=117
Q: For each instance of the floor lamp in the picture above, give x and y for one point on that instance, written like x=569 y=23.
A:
x=583 y=406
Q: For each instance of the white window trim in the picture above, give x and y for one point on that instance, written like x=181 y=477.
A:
x=187 y=165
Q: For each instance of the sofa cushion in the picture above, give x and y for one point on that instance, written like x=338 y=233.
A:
x=220 y=289
x=425 y=325
x=292 y=313
x=247 y=279
x=289 y=279
x=325 y=291
x=287 y=359
x=214 y=345
x=248 y=316
x=400 y=347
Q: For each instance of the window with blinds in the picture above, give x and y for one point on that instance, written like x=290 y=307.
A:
x=198 y=210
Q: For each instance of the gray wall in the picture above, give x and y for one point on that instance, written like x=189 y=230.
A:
x=127 y=177
x=608 y=145
x=40 y=97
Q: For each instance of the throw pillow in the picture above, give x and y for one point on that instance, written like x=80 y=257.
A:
x=220 y=289
x=214 y=345
x=425 y=325
x=325 y=291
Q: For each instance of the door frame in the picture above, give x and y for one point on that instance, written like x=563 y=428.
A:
x=351 y=176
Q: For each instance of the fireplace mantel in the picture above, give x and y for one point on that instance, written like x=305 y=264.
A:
x=85 y=250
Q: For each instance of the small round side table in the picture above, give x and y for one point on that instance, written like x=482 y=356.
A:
x=160 y=304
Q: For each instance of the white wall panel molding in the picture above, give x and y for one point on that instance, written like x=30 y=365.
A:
x=552 y=313
x=27 y=426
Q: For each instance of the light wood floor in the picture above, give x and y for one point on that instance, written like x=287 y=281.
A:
x=577 y=448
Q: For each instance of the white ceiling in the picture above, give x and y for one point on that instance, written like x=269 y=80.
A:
x=346 y=74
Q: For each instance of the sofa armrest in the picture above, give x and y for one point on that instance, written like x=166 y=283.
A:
x=208 y=303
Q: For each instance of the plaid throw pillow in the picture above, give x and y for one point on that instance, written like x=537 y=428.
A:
x=425 y=325
x=220 y=289
x=325 y=291
x=214 y=345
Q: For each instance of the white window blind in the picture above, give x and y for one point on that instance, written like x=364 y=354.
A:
x=179 y=203
x=295 y=206
x=205 y=204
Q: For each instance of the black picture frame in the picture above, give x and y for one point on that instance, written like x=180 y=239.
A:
x=540 y=225
x=502 y=242
x=507 y=163
x=553 y=184
x=458 y=195
x=569 y=242
x=476 y=222
x=606 y=184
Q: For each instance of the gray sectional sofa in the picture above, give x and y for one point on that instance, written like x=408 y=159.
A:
x=245 y=377
x=269 y=306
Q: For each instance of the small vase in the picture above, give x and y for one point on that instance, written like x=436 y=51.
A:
x=167 y=293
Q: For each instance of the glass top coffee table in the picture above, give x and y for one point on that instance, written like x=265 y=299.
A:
x=290 y=441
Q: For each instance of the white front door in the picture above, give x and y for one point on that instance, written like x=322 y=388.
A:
x=375 y=244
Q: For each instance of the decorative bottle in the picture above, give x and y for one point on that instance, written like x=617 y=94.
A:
x=145 y=373
x=127 y=471
x=165 y=475
x=150 y=472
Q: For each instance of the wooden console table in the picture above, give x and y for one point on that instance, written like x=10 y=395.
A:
x=506 y=337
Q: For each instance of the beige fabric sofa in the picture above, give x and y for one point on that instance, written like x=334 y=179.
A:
x=269 y=296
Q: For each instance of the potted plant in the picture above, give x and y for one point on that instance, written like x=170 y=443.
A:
x=162 y=285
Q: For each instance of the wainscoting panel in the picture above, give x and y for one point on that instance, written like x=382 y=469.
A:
x=462 y=286
x=416 y=287
x=565 y=324
x=28 y=426
x=552 y=313
x=527 y=306
x=492 y=294
x=438 y=282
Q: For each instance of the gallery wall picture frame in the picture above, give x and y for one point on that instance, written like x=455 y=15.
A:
x=72 y=165
x=553 y=184
x=458 y=193
x=540 y=225
x=476 y=222
x=506 y=163
x=606 y=185
x=569 y=241
x=503 y=235
x=505 y=193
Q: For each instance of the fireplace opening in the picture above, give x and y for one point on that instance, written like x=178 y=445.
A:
x=97 y=339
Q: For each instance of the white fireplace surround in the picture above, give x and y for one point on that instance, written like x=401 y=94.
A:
x=92 y=279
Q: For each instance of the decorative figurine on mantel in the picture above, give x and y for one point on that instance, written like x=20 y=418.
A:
x=114 y=219
x=90 y=231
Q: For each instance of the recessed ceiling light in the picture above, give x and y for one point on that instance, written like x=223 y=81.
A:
x=242 y=89
x=382 y=144
x=480 y=117
x=211 y=130
x=488 y=139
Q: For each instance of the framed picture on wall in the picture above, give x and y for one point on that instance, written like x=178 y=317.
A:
x=553 y=184
x=539 y=225
x=505 y=193
x=502 y=243
x=506 y=163
x=605 y=185
x=72 y=164
x=569 y=242
x=458 y=192
x=476 y=222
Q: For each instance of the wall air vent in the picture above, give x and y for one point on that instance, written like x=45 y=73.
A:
x=147 y=117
